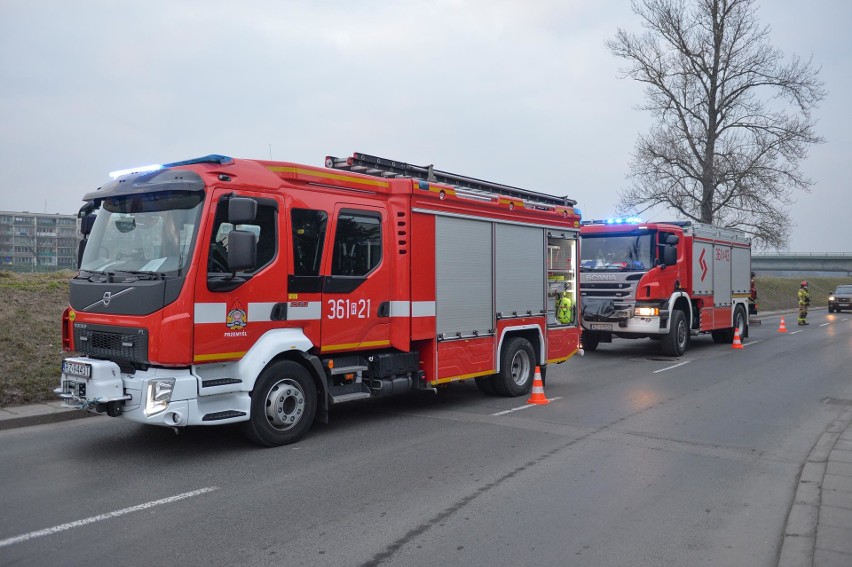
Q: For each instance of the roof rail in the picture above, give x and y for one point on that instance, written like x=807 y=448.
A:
x=382 y=167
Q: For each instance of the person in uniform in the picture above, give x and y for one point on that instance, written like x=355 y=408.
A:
x=804 y=301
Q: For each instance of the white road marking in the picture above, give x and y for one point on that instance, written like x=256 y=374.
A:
x=799 y=331
x=670 y=367
x=752 y=342
x=100 y=517
x=524 y=407
x=825 y=324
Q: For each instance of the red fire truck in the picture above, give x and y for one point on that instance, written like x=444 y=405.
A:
x=667 y=281
x=220 y=290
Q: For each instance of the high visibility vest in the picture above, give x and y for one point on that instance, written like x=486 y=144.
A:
x=565 y=309
x=804 y=296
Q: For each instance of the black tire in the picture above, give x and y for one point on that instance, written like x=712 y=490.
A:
x=723 y=336
x=740 y=323
x=830 y=309
x=517 y=368
x=677 y=339
x=590 y=341
x=283 y=405
x=486 y=385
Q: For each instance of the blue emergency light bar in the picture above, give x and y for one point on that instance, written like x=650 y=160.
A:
x=620 y=220
x=212 y=158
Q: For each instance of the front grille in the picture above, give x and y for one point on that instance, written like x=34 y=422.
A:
x=608 y=290
x=112 y=343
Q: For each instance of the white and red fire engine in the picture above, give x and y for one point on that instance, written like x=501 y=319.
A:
x=222 y=290
x=666 y=280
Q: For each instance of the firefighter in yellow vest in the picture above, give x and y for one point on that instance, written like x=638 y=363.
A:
x=804 y=301
x=565 y=308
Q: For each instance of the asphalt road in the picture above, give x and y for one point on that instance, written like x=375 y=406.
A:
x=638 y=460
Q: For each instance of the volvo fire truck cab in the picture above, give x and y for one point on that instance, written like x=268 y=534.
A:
x=220 y=290
x=667 y=281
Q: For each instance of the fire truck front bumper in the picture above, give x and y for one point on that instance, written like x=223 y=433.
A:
x=638 y=320
x=166 y=397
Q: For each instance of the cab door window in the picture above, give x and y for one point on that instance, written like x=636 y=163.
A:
x=308 y=237
x=263 y=227
x=357 y=243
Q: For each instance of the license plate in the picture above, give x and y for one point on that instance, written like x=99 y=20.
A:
x=76 y=369
x=77 y=389
x=601 y=326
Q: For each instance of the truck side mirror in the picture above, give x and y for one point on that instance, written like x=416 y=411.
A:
x=86 y=224
x=669 y=255
x=241 y=210
x=672 y=239
x=242 y=249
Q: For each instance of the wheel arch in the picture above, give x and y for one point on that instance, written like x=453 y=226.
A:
x=285 y=344
x=680 y=301
x=532 y=333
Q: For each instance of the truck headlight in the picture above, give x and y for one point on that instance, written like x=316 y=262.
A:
x=831 y=298
x=158 y=395
x=647 y=311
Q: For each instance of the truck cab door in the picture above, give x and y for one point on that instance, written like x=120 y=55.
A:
x=356 y=283
x=232 y=310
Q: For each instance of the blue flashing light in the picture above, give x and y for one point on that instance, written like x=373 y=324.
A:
x=140 y=169
x=624 y=220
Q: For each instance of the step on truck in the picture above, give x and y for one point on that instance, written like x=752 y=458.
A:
x=667 y=281
x=220 y=290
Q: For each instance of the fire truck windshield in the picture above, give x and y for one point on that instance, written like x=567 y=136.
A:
x=144 y=233
x=617 y=253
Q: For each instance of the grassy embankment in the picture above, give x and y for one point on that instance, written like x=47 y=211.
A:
x=31 y=307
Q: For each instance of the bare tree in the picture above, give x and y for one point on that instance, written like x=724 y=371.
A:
x=733 y=120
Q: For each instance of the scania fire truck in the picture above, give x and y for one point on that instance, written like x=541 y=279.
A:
x=220 y=290
x=663 y=280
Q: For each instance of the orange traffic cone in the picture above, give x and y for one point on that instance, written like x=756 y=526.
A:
x=537 y=396
x=737 y=343
x=782 y=328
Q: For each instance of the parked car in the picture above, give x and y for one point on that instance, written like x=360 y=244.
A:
x=840 y=299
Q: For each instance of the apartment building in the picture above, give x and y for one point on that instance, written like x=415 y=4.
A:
x=38 y=242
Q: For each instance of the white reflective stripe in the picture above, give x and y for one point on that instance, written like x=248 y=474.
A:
x=400 y=308
x=422 y=308
x=209 y=313
x=302 y=311
x=259 y=312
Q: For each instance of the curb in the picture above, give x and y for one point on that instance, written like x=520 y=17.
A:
x=38 y=414
x=800 y=532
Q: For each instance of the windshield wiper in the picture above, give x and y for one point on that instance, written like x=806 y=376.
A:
x=136 y=275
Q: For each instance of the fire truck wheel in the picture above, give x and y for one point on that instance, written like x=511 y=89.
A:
x=674 y=343
x=740 y=323
x=486 y=385
x=517 y=364
x=283 y=405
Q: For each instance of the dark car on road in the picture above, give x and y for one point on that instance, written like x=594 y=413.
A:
x=841 y=299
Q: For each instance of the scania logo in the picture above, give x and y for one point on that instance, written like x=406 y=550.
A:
x=601 y=277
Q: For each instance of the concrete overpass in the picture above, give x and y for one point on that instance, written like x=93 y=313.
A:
x=802 y=263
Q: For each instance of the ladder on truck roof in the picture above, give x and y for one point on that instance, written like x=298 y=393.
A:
x=382 y=167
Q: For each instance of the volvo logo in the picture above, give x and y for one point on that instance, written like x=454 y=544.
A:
x=107 y=298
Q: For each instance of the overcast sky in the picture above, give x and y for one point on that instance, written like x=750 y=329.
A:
x=522 y=92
